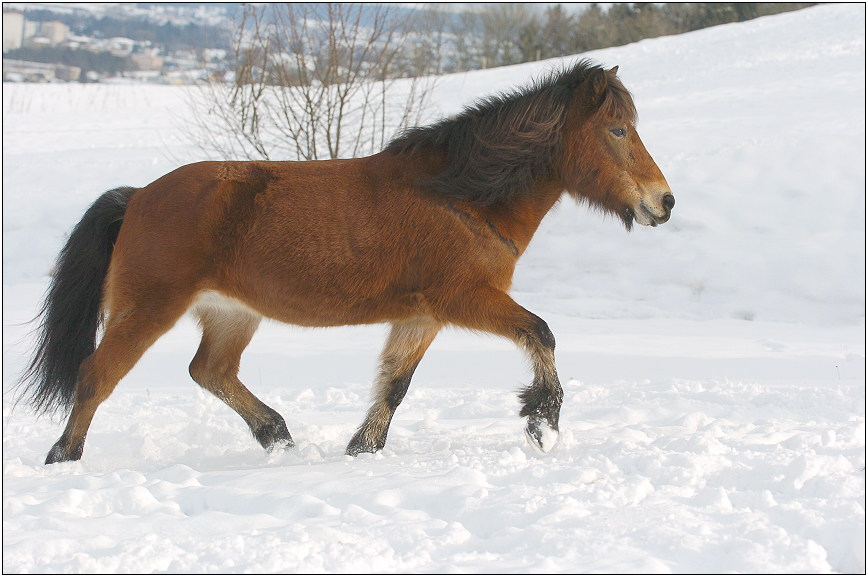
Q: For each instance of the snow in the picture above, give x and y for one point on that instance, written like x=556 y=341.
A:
x=713 y=368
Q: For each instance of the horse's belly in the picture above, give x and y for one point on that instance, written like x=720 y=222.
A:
x=320 y=300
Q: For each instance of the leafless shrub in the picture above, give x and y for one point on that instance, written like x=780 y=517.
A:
x=316 y=81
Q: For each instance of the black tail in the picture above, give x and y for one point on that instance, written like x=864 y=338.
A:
x=72 y=311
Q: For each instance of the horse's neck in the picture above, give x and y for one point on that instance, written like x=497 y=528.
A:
x=519 y=219
x=515 y=220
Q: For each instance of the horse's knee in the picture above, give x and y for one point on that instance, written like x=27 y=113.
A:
x=545 y=335
x=538 y=332
x=538 y=341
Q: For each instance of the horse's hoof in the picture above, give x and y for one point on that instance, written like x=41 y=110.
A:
x=540 y=435
x=359 y=445
x=280 y=445
x=59 y=454
x=356 y=449
x=274 y=435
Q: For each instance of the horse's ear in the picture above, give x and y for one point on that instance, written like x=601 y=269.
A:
x=613 y=71
x=599 y=82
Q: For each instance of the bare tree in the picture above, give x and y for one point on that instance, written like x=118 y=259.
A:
x=496 y=34
x=593 y=29
x=559 y=26
x=316 y=81
x=502 y=24
x=467 y=31
x=429 y=40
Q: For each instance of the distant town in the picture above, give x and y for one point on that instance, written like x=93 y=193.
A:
x=161 y=43
x=183 y=43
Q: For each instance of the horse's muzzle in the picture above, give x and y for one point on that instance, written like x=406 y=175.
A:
x=652 y=216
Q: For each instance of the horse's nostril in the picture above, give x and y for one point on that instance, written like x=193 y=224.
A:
x=668 y=201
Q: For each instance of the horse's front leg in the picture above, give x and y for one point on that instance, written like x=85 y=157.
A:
x=494 y=311
x=541 y=400
x=405 y=347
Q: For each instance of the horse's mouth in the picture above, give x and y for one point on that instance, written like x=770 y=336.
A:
x=646 y=217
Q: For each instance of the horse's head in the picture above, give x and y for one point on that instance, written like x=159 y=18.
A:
x=603 y=160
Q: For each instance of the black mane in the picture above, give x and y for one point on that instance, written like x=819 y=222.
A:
x=498 y=147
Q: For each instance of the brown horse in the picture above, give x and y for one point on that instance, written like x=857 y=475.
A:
x=422 y=235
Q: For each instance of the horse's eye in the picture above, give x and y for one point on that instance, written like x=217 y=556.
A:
x=619 y=132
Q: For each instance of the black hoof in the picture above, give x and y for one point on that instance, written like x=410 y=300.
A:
x=356 y=450
x=360 y=443
x=274 y=435
x=60 y=454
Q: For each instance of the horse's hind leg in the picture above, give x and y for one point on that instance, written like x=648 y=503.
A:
x=226 y=332
x=127 y=337
x=405 y=347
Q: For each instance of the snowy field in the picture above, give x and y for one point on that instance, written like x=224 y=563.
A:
x=713 y=368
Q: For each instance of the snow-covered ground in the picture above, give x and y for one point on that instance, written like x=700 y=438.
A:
x=714 y=368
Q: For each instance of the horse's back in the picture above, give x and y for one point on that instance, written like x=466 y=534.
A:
x=212 y=206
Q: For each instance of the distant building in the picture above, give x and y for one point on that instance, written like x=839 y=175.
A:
x=55 y=31
x=67 y=73
x=121 y=47
x=31 y=29
x=13 y=29
x=147 y=60
x=19 y=70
